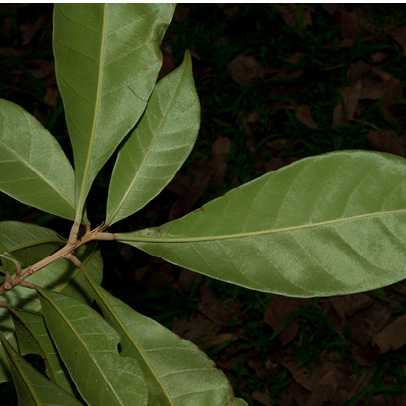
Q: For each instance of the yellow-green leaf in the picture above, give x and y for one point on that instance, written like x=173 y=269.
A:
x=326 y=225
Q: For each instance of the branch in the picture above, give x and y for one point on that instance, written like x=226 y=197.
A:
x=65 y=252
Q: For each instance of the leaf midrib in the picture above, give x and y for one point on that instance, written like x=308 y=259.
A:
x=44 y=352
x=39 y=174
x=149 y=151
x=112 y=310
x=81 y=197
x=85 y=346
x=30 y=386
x=125 y=237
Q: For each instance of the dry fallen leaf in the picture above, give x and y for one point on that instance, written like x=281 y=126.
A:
x=190 y=189
x=386 y=141
x=395 y=90
x=295 y=58
x=51 y=96
x=291 y=14
x=365 y=324
x=245 y=70
x=345 y=306
x=367 y=82
x=28 y=31
x=304 y=115
x=43 y=70
x=279 y=162
x=262 y=397
x=197 y=328
x=365 y=355
x=399 y=35
x=220 y=149
x=181 y=12
x=392 y=336
x=219 y=312
x=352 y=22
x=278 y=309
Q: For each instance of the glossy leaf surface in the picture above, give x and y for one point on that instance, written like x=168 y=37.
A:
x=158 y=146
x=325 y=225
x=33 y=167
x=107 y=60
x=32 y=387
x=88 y=346
x=177 y=372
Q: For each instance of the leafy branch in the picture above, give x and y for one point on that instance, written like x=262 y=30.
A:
x=326 y=225
x=66 y=252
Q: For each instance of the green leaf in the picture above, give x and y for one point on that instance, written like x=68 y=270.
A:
x=33 y=167
x=88 y=346
x=28 y=243
x=107 y=60
x=33 y=338
x=239 y=402
x=326 y=225
x=7 y=328
x=32 y=387
x=76 y=285
x=176 y=371
x=158 y=146
x=62 y=277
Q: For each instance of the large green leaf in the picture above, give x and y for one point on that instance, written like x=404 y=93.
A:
x=32 y=387
x=34 y=338
x=239 y=402
x=325 y=225
x=177 y=372
x=61 y=276
x=33 y=167
x=88 y=346
x=158 y=146
x=107 y=60
x=29 y=243
x=7 y=328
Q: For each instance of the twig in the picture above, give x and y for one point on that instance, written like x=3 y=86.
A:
x=65 y=252
x=6 y=255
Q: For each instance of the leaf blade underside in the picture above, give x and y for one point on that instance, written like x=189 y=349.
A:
x=32 y=387
x=34 y=169
x=325 y=225
x=88 y=346
x=177 y=372
x=107 y=59
x=158 y=146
